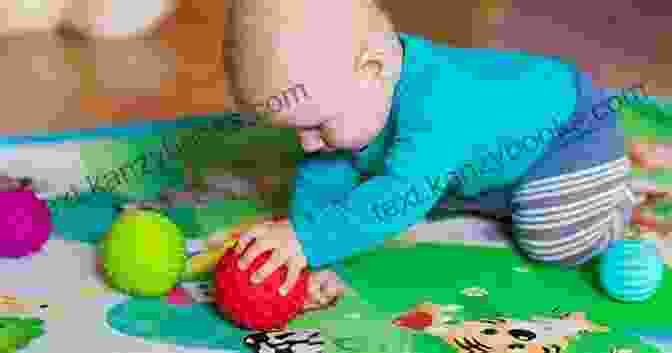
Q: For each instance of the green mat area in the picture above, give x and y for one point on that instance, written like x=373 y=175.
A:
x=440 y=272
x=648 y=121
x=393 y=280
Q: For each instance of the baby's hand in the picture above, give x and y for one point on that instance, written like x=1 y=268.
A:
x=324 y=289
x=279 y=237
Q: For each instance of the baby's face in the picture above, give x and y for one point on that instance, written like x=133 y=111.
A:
x=327 y=122
x=332 y=85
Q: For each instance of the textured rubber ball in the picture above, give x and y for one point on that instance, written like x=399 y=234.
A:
x=257 y=307
x=143 y=254
x=25 y=223
x=631 y=270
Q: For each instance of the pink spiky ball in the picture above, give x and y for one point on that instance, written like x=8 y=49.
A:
x=25 y=223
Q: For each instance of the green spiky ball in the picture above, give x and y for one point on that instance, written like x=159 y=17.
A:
x=143 y=253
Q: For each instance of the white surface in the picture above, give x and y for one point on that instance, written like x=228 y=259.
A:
x=53 y=166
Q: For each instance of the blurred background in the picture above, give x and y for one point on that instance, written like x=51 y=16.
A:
x=58 y=79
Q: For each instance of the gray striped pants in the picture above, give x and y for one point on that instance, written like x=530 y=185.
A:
x=576 y=198
x=572 y=217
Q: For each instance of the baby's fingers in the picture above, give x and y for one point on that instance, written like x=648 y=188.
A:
x=222 y=238
x=244 y=241
x=252 y=251
x=252 y=233
x=295 y=266
x=274 y=262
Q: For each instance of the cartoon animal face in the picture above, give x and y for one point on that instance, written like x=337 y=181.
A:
x=508 y=336
x=504 y=335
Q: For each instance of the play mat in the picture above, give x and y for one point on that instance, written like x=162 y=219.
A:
x=54 y=301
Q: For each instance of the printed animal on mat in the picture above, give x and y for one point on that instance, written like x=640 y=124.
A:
x=299 y=341
x=500 y=335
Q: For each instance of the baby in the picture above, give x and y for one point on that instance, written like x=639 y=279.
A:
x=396 y=126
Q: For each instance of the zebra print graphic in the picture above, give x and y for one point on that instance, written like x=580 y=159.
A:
x=299 y=341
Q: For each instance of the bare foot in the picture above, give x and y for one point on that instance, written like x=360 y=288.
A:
x=324 y=290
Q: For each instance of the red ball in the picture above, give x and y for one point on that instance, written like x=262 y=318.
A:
x=258 y=307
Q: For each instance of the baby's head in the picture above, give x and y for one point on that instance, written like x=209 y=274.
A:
x=325 y=68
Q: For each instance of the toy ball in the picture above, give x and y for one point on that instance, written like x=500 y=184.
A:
x=260 y=306
x=143 y=253
x=25 y=224
x=631 y=270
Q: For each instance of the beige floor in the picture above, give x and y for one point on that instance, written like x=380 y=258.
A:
x=54 y=85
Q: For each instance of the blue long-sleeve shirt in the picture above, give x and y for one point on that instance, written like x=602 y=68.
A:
x=456 y=125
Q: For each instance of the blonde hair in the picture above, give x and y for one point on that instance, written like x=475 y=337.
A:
x=382 y=14
x=269 y=33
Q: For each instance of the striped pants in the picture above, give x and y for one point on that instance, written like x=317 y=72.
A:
x=573 y=217
x=576 y=198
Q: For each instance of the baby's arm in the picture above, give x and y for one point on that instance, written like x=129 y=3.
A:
x=334 y=219
x=320 y=181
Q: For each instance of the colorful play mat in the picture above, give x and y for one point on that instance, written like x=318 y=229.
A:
x=487 y=296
